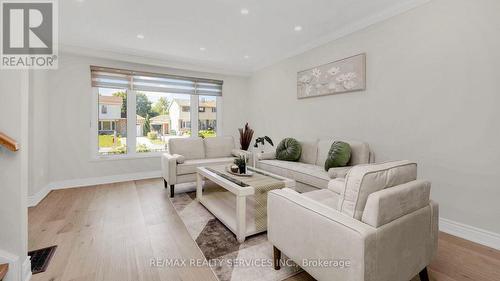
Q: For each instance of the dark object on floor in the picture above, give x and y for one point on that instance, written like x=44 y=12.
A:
x=171 y=188
x=423 y=275
x=40 y=259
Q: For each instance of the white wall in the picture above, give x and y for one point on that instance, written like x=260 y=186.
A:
x=14 y=171
x=39 y=131
x=432 y=96
x=69 y=118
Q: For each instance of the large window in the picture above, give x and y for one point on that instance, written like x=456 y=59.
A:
x=137 y=113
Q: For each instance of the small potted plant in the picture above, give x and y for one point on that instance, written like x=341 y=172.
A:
x=241 y=162
x=261 y=141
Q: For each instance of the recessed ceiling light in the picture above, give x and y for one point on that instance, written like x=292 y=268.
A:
x=140 y=36
x=80 y=1
x=246 y=56
x=297 y=28
x=203 y=49
x=244 y=11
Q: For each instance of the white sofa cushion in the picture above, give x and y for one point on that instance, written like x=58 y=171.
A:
x=189 y=166
x=190 y=148
x=360 y=152
x=325 y=197
x=219 y=146
x=306 y=173
x=323 y=149
x=309 y=151
x=363 y=180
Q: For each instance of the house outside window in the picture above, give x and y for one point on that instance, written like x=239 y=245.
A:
x=134 y=118
x=207 y=119
x=112 y=128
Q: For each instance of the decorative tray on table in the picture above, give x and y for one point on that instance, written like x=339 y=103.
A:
x=247 y=174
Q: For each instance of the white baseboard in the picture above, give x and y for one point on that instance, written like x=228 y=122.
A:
x=471 y=233
x=16 y=269
x=26 y=269
x=36 y=198
x=103 y=180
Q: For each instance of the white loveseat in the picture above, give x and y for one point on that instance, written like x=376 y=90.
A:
x=186 y=154
x=309 y=172
x=383 y=223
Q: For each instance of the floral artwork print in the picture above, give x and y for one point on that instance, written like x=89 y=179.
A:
x=342 y=76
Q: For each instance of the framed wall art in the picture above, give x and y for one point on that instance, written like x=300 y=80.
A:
x=346 y=75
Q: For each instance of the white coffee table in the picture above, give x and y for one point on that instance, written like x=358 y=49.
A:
x=230 y=201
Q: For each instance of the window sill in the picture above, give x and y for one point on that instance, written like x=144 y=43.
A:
x=99 y=158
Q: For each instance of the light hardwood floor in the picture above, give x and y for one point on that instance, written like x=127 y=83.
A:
x=111 y=232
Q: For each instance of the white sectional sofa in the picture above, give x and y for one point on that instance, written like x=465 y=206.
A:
x=186 y=154
x=309 y=172
x=383 y=223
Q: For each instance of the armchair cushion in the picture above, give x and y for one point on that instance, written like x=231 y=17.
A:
x=325 y=197
x=391 y=203
x=219 y=146
x=190 y=148
x=363 y=180
x=337 y=186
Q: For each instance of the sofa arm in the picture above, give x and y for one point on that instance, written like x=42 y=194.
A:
x=339 y=172
x=266 y=155
x=240 y=152
x=169 y=166
x=307 y=231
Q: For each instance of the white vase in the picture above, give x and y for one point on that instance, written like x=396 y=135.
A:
x=260 y=147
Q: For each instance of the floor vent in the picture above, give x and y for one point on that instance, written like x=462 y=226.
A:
x=40 y=259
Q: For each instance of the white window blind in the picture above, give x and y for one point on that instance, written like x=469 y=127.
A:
x=105 y=77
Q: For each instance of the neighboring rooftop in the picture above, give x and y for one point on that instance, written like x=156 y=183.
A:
x=110 y=100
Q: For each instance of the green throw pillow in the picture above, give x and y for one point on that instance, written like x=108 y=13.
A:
x=288 y=150
x=338 y=156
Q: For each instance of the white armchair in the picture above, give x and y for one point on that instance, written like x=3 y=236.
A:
x=383 y=224
x=186 y=154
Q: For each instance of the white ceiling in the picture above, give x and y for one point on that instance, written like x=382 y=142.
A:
x=175 y=30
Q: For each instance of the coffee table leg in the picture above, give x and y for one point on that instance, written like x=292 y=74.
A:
x=241 y=218
x=199 y=186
